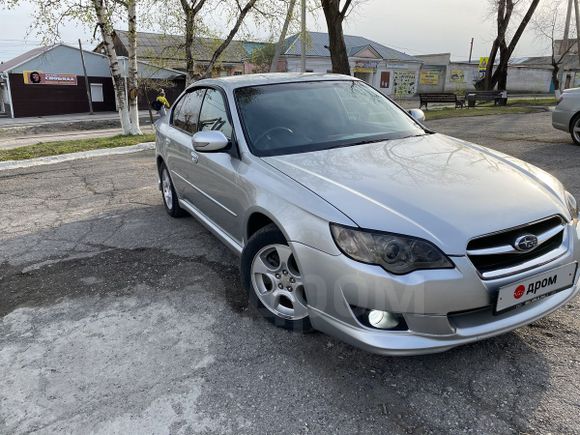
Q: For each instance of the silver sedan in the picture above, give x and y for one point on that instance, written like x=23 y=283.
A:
x=566 y=115
x=352 y=218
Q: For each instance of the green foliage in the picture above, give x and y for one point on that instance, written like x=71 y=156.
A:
x=261 y=58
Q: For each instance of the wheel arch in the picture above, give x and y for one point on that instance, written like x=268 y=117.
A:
x=159 y=160
x=573 y=119
x=258 y=219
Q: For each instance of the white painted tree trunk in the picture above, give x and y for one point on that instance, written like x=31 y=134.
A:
x=104 y=25
x=132 y=80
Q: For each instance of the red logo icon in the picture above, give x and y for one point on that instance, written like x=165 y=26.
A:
x=519 y=292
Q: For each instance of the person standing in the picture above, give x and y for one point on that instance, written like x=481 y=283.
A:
x=161 y=104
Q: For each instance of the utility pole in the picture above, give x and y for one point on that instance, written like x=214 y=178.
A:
x=577 y=13
x=86 y=79
x=471 y=50
x=564 y=45
x=303 y=37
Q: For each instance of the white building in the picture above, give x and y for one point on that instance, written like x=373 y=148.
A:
x=388 y=70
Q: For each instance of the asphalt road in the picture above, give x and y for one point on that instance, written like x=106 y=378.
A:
x=116 y=318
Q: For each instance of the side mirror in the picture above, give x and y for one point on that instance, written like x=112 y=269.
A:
x=209 y=141
x=417 y=114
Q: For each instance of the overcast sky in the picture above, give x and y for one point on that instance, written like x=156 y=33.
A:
x=412 y=26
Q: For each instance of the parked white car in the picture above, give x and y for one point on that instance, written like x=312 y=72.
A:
x=566 y=116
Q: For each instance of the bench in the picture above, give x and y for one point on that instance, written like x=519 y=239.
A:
x=440 y=98
x=498 y=97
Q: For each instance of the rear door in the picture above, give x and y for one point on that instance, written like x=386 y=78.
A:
x=184 y=119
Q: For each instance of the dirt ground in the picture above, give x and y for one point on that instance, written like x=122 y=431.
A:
x=115 y=318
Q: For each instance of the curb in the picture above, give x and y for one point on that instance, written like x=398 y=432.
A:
x=17 y=164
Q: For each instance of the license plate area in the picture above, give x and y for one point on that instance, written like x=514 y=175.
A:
x=535 y=287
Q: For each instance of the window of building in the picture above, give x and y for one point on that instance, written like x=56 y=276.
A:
x=97 y=95
x=213 y=115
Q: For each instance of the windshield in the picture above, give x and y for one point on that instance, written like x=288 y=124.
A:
x=310 y=116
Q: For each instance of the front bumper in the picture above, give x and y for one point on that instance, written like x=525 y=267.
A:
x=442 y=308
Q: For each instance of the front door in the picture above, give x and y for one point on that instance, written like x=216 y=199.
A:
x=215 y=174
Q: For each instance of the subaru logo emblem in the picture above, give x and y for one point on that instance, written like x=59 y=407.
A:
x=526 y=243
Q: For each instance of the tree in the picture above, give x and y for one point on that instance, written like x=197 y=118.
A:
x=335 y=15
x=282 y=38
x=48 y=17
x=548 y=23
x=243 y=11
x=504 y=10
x=193 y=10
x=132 y=73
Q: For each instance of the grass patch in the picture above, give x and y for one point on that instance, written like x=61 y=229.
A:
x=523 y=101
x=534 y=101
x=72 y=146
x=432 y=115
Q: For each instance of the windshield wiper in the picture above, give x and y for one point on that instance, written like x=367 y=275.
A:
x=367 y=141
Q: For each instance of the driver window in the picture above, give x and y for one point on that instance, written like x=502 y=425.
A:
x=213 y=115
x=186 y=113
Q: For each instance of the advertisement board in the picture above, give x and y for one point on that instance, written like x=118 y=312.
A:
x=42 y=78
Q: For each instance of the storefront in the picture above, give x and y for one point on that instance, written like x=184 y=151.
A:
x=51 y=81
x=390 y=71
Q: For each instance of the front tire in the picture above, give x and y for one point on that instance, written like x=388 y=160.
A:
x=575 y=129
x=170 y=199
x=274 y=284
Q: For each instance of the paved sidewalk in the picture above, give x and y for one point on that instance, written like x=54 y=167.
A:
x=75 y=117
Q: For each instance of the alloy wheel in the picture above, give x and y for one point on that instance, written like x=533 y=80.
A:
x=167 y=191
x=278 y=282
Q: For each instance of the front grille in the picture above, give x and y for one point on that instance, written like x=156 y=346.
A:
x=494 y=255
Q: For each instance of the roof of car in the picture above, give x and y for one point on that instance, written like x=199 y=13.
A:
x=242 y=81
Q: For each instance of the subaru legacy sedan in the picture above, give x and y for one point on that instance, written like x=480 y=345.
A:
x=352 y=218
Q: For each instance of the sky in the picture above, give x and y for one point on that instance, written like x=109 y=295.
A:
x=412 y=26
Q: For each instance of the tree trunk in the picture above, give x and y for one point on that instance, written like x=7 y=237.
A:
x=243 y=12
x=502 y=71
x=555 y=77
x=190 y=11
x=189 y=60
x=282 y=38
x=337 y=47
x=132 y=80
x=118 y=82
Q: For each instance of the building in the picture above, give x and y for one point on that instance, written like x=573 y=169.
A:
x=525 y=75
x=169 y=51
x=388 y=70
x=50 y=81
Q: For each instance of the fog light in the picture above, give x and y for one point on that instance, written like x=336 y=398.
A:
x=383 y=319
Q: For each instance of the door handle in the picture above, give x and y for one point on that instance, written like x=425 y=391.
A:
x=194 y=157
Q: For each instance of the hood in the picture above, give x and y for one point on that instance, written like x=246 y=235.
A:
x=434 y=187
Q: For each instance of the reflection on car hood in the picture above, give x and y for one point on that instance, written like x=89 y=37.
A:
x=434 y=187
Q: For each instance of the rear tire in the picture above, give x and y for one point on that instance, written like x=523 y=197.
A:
x=170 y=199
x=274 y=284
x=575 y=129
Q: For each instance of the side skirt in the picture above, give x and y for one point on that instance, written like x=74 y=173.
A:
x=230 y=242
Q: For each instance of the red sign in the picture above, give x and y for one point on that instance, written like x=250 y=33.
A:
x=42 y=78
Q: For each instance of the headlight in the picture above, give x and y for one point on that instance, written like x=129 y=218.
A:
x=395 y=253
x=572 y=205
